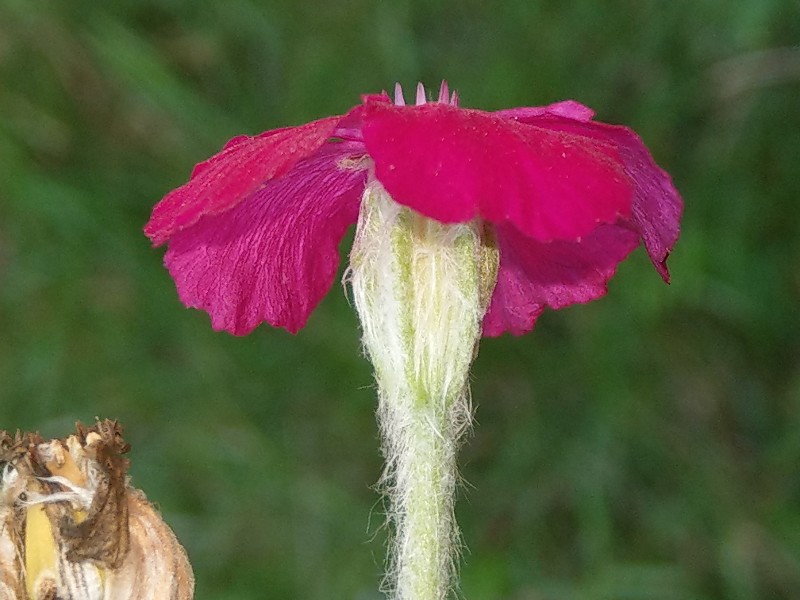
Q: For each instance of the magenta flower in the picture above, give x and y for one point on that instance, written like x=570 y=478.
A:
x=253 y=236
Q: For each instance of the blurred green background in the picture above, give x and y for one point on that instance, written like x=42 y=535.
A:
x=646 y=446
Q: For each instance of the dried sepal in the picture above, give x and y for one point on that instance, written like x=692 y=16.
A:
x=12 y=580
x=73 y=528
x=156 y=565
x=102 y=536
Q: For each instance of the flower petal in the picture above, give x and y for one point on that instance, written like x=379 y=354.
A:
x=534 y=275
x=272 y=257
x=566 y=108
x=454 y=164
x=657 y=205
x=242 y=166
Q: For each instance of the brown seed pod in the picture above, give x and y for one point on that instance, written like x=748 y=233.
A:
x=74 y=529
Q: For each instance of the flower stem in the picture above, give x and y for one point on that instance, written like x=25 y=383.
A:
x=420 y=442
x=421 y=289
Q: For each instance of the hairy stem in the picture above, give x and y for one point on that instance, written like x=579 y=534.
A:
x=420 y=288
x=421 y=437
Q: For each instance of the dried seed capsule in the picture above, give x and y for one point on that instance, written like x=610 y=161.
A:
x=72 y=528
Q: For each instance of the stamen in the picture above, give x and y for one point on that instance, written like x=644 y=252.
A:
x=444 y=92
x=398 y=95
x=421 y=94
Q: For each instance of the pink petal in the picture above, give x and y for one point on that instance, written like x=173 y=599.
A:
x=657 y=205
x=534 y=275
x=454 y=164
x=245 y=163
x=566 y=108
x=273 y=256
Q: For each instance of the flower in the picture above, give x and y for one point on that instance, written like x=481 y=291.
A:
x=253 y=236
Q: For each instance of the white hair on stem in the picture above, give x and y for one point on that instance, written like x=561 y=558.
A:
x=421 y=289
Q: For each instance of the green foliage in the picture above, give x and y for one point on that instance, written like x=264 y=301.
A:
x=643 y=447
